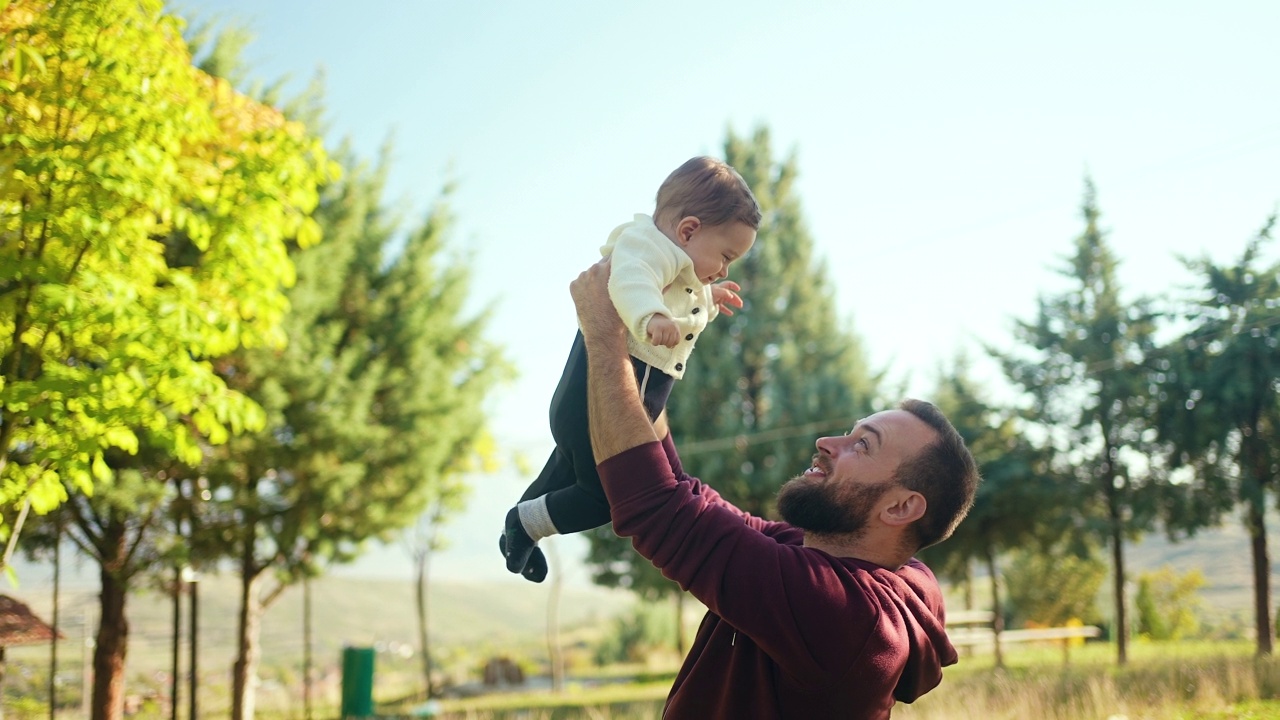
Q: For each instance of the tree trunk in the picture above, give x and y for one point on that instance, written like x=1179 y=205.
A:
x=421 y=559
x=109 y=652
x=1117 y=578
x=553 y=619
x=1257 y=525
x=244 y=675
x=306 y=647
x=681 y=637
x=997 y=617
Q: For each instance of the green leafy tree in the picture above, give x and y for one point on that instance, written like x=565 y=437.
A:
x=769 y=379
x=123 y=166
x=148 y=207
x=1166 y=603
x=1082 y=367
x=1218 y=384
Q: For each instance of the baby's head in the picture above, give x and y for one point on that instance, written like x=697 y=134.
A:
x=705 y=207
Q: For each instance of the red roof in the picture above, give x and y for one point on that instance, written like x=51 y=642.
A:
x=20 y=626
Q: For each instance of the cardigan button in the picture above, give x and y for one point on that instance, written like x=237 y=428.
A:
x=689 y=336
x=689 y=290
x=697 y=310
x=679 y=367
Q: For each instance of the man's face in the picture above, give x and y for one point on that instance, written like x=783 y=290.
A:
x=843 y=490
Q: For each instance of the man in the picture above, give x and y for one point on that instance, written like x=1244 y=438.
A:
x=826 y=615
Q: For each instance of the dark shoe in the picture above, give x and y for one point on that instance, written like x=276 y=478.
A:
x=536 y=567
x=516 y=545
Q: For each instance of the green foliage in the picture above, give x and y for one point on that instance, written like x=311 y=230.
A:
x=1081 y=364
x=373 y=408
x=1219 y=387
x=1021 y=497
x=144 y=209
x=1050 y=587
x=1167 y=604
x=634 y=636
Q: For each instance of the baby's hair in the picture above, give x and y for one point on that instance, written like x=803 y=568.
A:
x=709 y=190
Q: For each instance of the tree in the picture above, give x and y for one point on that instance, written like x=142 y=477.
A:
x=1084 y=375
x=1166 y=603
x=146 y=206
x=1218 y=384
x=149 y=207
x=767 y=380
x=1019 y=500
x=1055 y=586
x=373 y=408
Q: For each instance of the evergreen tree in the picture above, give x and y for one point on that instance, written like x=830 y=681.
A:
x=1218 y=384
x=373 y=409
x=766 y=382
x=1020 y=499
x=1083 y=370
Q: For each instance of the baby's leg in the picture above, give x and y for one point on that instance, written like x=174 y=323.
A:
x=583 y=505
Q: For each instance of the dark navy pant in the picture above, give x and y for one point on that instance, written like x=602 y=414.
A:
x=575 y=500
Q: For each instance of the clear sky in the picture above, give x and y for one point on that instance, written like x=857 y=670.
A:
x=942 y=151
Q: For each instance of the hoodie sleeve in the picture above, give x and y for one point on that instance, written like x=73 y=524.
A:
x=801 y=606
x=780 y=530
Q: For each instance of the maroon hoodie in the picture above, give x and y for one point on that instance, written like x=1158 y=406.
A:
x=790 y=632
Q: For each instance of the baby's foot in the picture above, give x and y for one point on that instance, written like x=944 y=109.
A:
x=515 y=543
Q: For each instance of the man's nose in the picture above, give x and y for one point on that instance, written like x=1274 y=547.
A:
x=828 y=445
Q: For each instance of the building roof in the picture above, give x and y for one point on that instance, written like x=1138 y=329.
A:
x=20 y=626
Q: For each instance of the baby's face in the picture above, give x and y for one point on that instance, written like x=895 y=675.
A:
x=713 y=248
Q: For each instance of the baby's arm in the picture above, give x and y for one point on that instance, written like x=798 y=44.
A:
x=636 y=281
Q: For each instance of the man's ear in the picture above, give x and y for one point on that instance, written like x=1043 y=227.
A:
x=907 y=508
x=685 y=229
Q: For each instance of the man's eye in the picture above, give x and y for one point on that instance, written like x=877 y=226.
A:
x=865 y=445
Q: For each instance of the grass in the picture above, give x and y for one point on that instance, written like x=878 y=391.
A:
x=1167 y=681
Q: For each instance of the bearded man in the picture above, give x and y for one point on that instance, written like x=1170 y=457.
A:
x=824 y=615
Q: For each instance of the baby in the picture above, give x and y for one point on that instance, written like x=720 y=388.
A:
x=667 y=282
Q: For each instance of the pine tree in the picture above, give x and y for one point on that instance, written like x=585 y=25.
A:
x=1218 y=384
x=1083 y=370
x=1020 y=499
x=373 y=409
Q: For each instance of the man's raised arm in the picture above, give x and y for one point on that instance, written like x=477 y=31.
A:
x=617 y=416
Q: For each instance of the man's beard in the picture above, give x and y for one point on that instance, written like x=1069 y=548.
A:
x=820 y=507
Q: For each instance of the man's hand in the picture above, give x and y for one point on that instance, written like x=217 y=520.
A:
x=725 y=296
x=597 y=317
x=662 y=330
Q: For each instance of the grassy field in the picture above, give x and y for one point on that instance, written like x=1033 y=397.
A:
x=1174 y=681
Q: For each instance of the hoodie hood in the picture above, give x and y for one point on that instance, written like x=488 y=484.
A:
x=924 y=620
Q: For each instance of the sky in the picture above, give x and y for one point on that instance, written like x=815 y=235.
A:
x=942 y=149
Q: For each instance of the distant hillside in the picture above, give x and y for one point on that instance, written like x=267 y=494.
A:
x=489 y=618
x=484 y=618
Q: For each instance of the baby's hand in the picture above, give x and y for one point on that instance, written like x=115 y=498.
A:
x=662 y=330
x=725 y=296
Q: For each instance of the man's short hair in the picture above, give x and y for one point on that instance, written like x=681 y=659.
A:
x=943 y=471
x=709 y=190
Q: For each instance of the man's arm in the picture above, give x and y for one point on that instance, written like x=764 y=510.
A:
x=617 y=416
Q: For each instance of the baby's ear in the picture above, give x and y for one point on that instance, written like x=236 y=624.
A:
x=685 y=229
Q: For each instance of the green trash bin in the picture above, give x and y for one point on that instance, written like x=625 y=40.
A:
x=357 y=682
